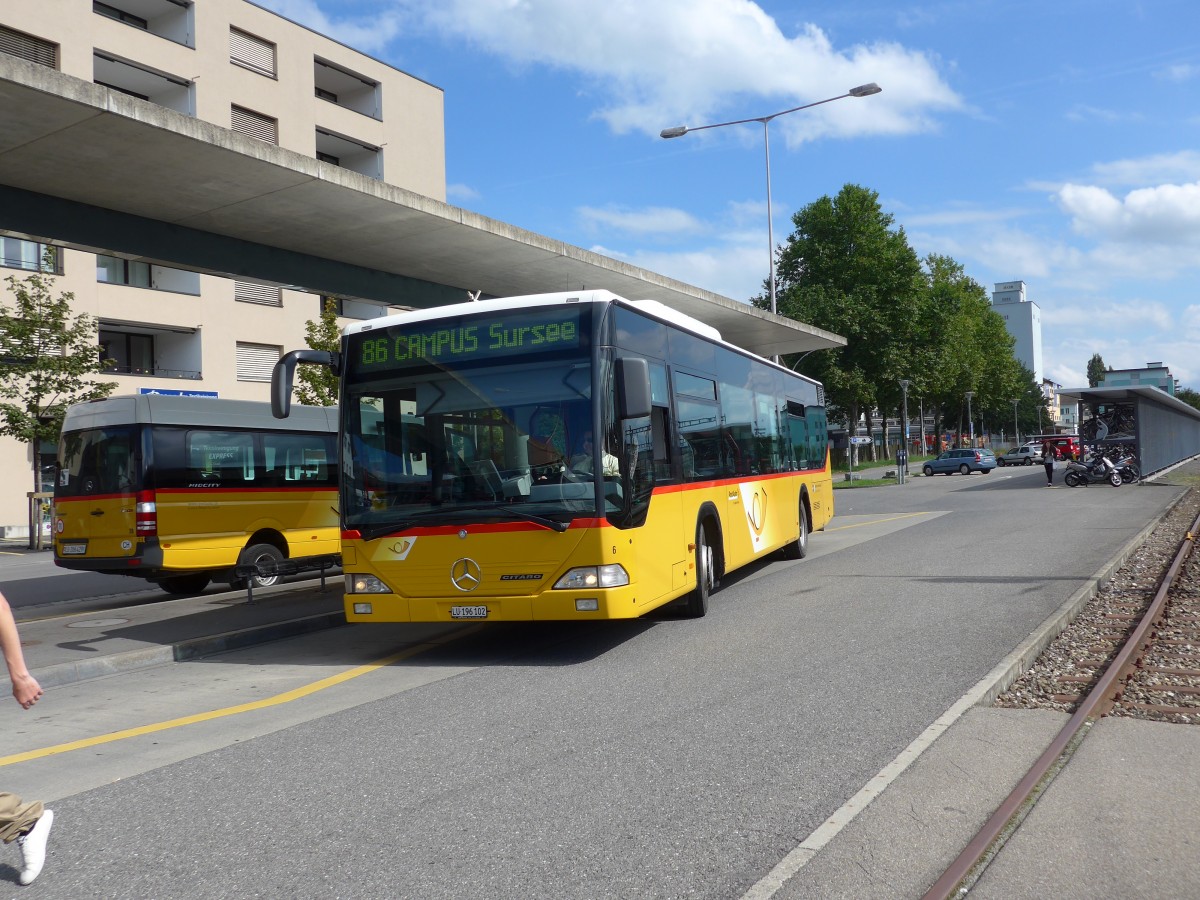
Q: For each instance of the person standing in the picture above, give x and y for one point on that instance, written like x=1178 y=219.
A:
x=26 y=823
x=1049 y=454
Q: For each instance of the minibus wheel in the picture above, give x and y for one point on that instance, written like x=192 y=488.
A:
x=258 y=553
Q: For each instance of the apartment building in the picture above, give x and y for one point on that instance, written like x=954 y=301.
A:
x=238 y=66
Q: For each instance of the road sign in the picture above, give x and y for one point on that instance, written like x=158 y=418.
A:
x=858 y=441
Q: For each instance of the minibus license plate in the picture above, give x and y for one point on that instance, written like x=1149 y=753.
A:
x=73 y=549
x=468 y=612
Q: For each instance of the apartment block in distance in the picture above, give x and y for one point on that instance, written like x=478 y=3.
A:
x=235 y=65
x=1023 y=319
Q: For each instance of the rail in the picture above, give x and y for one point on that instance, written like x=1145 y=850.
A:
x=1107 y=692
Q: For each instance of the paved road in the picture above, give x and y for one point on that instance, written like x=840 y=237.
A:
x=656 y=758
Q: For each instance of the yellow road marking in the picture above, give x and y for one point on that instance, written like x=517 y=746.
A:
x=277 y=700
x=881 y=521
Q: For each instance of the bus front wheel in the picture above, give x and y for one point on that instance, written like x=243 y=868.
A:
x=185 y=585
x=696 y=603
x=260 y=553
x=798 y=549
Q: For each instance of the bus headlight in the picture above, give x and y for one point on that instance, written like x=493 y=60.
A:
x=365 y=584
x=585 y=577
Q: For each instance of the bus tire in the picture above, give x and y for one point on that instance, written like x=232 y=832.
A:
x=798 y=549
x=695 y=604
x=185 y=585
x=257 y=553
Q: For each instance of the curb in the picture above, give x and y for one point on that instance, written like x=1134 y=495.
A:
x=192 y=648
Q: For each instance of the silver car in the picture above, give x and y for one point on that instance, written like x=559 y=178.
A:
x=1021 y=456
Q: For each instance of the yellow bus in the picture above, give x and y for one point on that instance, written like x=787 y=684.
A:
x=562 y=456
x=179 y=490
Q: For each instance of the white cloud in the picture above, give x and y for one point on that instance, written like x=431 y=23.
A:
x=649 y=221
x=958 y=217
x=1160 y=168
x=461 y=193
x=1179 y=72
x=735 y=270
x=1084 y=113
x=1167 y=214
x=684 y=61
x=370 y=34
x=1148 y=314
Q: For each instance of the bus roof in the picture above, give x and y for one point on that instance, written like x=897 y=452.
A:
x=159 y=409
x=650 y=307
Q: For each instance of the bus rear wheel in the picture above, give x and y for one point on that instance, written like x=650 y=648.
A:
x=259 y=553
x=185 y=585
x=695 y=604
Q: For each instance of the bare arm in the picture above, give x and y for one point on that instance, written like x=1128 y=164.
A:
x=26 y=690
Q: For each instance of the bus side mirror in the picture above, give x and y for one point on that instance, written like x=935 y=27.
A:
x=283 y=376
x=633 y=388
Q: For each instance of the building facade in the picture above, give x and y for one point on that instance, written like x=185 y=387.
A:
x=1023 y=319
x=1155 y=374
x=236 y=65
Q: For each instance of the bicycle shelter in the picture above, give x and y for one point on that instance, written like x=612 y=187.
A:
x=1157 y=428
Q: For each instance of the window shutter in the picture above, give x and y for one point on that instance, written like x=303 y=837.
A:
x=255 y=361
x=29 y=48
x=251 y=52
x=256 y=125
x=265 y=294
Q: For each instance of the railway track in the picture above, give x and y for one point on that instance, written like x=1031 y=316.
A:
x=1134 y=651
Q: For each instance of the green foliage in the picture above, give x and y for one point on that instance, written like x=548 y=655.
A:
x=1188 y=396
x=1095 y=370
x=845 y=269
x=46 y=356
x=317 y=385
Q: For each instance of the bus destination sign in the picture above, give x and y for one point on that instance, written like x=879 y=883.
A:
x=500 y=336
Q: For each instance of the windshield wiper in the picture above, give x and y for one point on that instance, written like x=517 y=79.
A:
x=449 y=513
x=513 y=511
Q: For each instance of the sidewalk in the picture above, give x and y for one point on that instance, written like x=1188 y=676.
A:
x=78 y=646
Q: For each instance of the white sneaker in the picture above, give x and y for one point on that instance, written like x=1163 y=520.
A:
x=33 y=847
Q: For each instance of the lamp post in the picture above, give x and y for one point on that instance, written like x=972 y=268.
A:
x=902 y=468
x=1016 y=427
x=863 y=90
x=970 y=421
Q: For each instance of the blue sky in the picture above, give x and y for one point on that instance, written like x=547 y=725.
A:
x=1056 y=143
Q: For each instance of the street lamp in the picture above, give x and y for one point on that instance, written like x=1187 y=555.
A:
x=863 y=90
x=970 y=421
x=1016 y=427
x=904 y=383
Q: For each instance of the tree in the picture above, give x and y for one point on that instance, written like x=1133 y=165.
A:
x=1095 y=370
x=845 y=269
x=47 y=357
x=1188 y=396
x=318 y=386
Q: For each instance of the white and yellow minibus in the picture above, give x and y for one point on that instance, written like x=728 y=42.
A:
x=179 y=490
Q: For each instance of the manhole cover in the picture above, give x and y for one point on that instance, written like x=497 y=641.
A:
x=98 y=623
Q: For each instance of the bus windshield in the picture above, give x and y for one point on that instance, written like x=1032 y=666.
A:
x=451 y=444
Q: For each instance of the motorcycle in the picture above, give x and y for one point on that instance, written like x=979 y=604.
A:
x=1128 y=469
x=1098 y=469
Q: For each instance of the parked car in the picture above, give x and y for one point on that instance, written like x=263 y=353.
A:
x=1021 y=456
x=964 y=461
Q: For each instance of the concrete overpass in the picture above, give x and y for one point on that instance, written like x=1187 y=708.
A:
x=97 y=170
